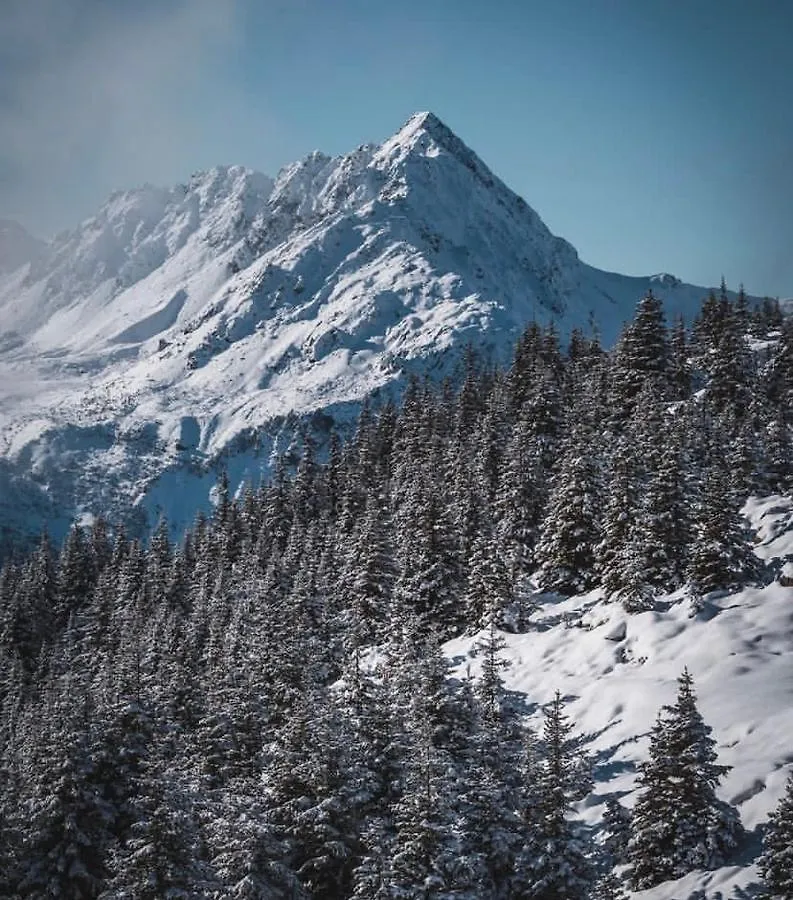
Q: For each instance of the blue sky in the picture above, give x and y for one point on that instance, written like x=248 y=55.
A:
x=655 y=136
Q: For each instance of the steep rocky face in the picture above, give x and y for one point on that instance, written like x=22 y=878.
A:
x=180 y=327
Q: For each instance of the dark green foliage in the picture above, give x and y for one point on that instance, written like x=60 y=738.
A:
x=776 y=862
x=617 y=827
x=570 y=530
x=69 y=826
x=558 y=856
x=642 y=353
x=721 y=556
x=678 y=822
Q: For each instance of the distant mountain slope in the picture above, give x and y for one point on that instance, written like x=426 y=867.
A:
x=17 y=246
x=180 y=326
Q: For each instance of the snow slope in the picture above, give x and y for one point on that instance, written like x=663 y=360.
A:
x=616 y=670
x=180 y=329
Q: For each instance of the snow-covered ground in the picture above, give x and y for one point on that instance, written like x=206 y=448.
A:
x=616 y=670
x=225 y=304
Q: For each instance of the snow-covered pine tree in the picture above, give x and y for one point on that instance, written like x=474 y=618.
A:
x=621 y=506
x=558 y=855
x=617 y=827
x=652 y=558
x=490 y=820
x=368 y=577
x=729 y=364
x=520 y=498
x=642 y=352
x=425 y=857
x=426 y=553
x=74 y=575
x=490 y=687
x=678 y=822
x=70 y=821
x=778 y=380
x=608 y=887
x=680 y=374
x=779 y=451
x=489 y=590
x=721 y=557
x=161 y=856
x=776 y=861
x=570 y=530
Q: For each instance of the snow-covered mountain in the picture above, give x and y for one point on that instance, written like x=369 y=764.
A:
x=177 y=329
x=17 y=246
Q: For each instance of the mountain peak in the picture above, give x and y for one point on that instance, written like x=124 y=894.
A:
x=425 y=136
x=428 y=126
x=423 y=120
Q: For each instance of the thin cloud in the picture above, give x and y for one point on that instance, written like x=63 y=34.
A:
x=103 y=94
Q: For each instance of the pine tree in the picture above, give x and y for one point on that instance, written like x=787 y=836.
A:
x=779 y=451
x=776 y=861
x=653 y=556
x=491 y=793
x=28 y=610
x=520 y=499
x=367 y=583
x=721 y=556
x=489 y=591
x=617 y=827
x=619 y=517
x=69 y=830
x=608 y=887
x=74 y=575
x=729 y=367
x=641 y=353
x=678 y=822
x=779 y=378
x=425 y=858
x=680 y=372
x=570 y=530
x=558 y=855
x=161 y=857
x=246 y=858
x=429 y=570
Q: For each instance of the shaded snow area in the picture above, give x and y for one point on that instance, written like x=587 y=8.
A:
x=616 y=670
x=237 y=300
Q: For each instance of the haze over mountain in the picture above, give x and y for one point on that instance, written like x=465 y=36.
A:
x=17 y=246
x=174 y=331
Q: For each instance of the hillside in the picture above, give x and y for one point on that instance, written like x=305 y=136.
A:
x=180 y=329
x=521 y=638
x=616 y=670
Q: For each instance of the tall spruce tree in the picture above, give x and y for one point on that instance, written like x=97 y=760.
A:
x=642 y=352
x=570 y=531
x=721 y=556
x=558 y=855
x=678 y=823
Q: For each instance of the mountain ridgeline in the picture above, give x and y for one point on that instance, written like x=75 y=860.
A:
x=185 y=330
x=264 y=708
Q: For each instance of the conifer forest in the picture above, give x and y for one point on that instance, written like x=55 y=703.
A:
x=264 y=709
